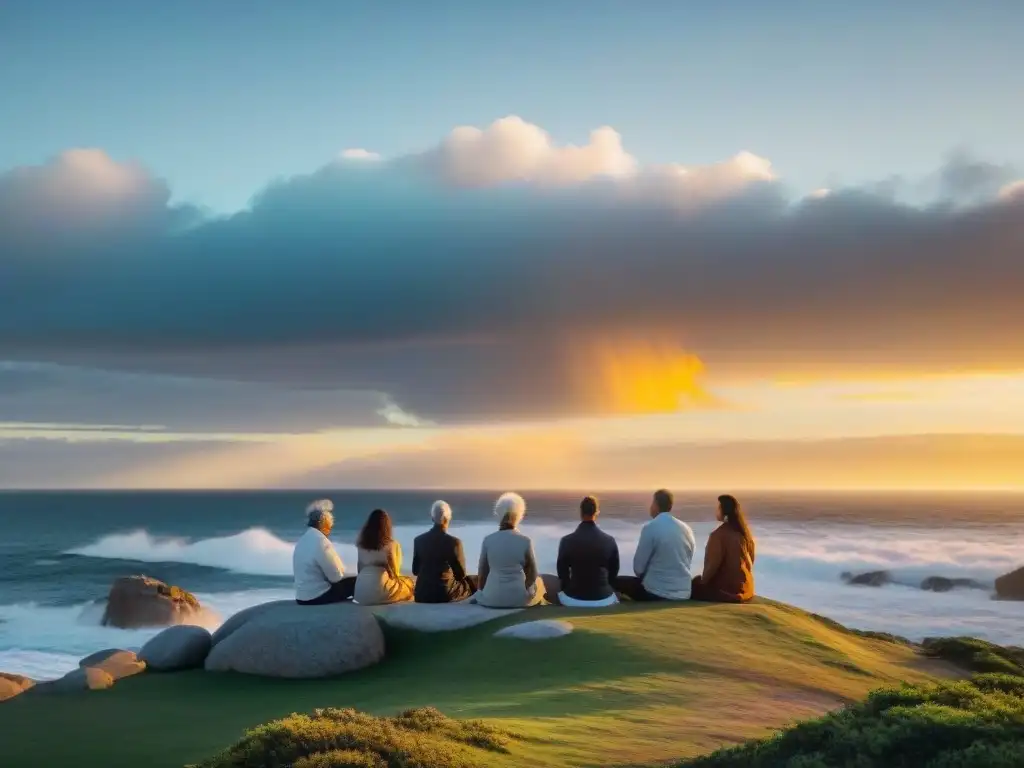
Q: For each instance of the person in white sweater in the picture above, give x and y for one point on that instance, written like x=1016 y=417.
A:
x=663 y=557
x=319 y=572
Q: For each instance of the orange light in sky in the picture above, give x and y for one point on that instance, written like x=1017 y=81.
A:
x=642 y=377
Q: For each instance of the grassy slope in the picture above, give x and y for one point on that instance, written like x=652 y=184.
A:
x=633 y=684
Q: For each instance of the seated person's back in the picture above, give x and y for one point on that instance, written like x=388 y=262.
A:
x=438 y=562
x=508 y=566
x=379 y=564
x=728 y=574
x=588 y=561
x=664 y=554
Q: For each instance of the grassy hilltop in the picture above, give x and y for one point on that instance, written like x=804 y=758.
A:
x=634 y=685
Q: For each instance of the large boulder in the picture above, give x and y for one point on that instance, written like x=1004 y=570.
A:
x=943 y=584
x=869 y=579
x=139 y=601
x=81 y=679
x=181 y=647
x=247 y=614
x=12 y=685
x=437 y=617
x=299 y=641
x=1010 y=586
x=117 y=663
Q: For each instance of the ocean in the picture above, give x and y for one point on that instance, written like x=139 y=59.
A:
x=59 y=553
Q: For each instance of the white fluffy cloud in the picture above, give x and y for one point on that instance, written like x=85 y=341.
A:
x=511 y=150
x=358 y=153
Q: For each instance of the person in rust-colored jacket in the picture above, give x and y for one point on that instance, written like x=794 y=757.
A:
x=728 y=575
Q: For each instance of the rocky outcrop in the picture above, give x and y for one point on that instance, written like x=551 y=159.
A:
x=234 y=622
x=177 y=648
x=297 y=641
x=1010 y=586
x=13 y=685
x=942 y=584
x=869 y=579
x=544 y=629
x=139 y=601
x=81 y=679
x=437 y=617
x=115 y=662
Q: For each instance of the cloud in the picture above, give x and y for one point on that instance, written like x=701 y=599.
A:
x=358 y=153
x=1012 y=191
x=502 y=274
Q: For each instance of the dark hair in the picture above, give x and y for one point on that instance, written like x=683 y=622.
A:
x=663 y=499
x=735 y=519
x=588 y=508
x=376 y=533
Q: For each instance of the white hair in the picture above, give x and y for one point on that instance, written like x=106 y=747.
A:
x=441 y=513
x=510 y=508
x=319 y=512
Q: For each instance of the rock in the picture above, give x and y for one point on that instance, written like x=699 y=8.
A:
x=1010 y=586
x=139 y=601
x=942 y=584
x=869 y=579
x=12 y=685
x=437 y=617
x=176 y=648
x=240 y=618
x=116 y=663
x=298 y=641
x=536 y=630
x=81 y=679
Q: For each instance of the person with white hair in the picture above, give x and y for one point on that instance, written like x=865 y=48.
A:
x=319 y=573
x=438 y=562
x=508 y=565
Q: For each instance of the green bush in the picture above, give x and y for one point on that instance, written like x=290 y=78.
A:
x=976 y=655
x=345 y=738
x=964 y=724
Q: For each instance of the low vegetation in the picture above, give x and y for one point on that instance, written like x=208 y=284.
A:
x=976 y=655
x=965 y=724
x=345 y=738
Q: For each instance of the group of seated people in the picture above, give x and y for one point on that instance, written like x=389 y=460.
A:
x=508 y=577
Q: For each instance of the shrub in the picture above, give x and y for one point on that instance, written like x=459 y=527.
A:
x=964 y=724
x=976 y=655
x=345 y=738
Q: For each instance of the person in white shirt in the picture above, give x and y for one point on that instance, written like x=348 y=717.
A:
x=319 y=572
x=663 y=556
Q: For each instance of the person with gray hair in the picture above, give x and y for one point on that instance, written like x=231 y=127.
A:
x=508 y=565
x=438 y=562
x=319 y=573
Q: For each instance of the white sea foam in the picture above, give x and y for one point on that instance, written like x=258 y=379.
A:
x=797 y=563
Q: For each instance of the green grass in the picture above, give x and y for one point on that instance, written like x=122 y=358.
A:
x=633 y=685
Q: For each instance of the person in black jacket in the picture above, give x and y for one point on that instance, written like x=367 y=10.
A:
x=438 y=562
x=588 y=562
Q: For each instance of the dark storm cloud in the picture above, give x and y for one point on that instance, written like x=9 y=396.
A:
x=467 y=301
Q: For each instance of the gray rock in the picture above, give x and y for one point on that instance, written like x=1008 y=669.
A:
x=943 y=584
x=13 y=685
x=116 y=663
x=181 y=647
x=81 y=679
x=240 y=618
x=536 y=630
x=437 y=617
x=869 y=579
x=1010 y=586
x=139 y=601
x=301 y=642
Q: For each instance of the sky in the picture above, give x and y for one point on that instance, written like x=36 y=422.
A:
x=552 y=245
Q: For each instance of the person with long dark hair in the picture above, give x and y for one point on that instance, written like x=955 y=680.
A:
x=379 y=565
x=728 y=575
